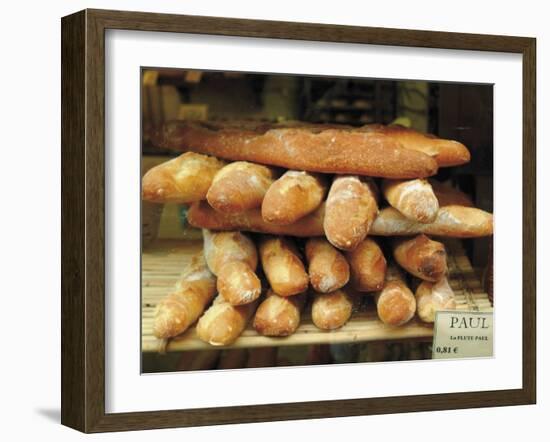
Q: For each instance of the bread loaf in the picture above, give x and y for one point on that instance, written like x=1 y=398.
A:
x=395 y=304
x=350 y=210
x=202 y=215
x=453 y=221
x=415 y=199
x=278 y=315
x=184 y=179
x=314 y=148
x=445 y=152
x=367 y=266
x=233 y=258
x=434 y=296
x=240 y=186
x=327 y=268
x=223 y=323
x=193 y=292
x=330 y=311
x=421 y=257
x=282 y=266
x=293 y=196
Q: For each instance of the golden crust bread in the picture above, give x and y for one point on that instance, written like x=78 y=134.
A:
x=315 y=148
x=453 y=221
x=445 y=152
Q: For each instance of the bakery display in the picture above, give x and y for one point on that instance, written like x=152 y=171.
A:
x=319 y=218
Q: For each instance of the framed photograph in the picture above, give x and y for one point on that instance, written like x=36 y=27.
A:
x=266 y=220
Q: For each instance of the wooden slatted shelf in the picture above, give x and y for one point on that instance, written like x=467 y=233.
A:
x=163 y=262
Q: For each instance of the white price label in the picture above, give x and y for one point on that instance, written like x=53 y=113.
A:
x=459 y=334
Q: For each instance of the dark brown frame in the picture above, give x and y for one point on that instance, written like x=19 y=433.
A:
x=83 y=215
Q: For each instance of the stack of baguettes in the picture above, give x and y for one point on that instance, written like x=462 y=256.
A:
x=312 y=195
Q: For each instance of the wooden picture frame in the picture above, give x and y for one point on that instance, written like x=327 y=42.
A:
x=83 y=220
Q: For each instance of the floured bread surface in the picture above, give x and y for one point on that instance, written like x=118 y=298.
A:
x=240 y=186
x=432 y=297
x=415 y=199
x=184 y=179
x=350 y=210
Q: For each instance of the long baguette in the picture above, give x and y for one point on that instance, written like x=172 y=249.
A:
x=194 y=290
x=445 y=152
x=421 y=257
x=311 y=148
x=453 y=221
x=240 y=186
x=293 y=196
x=202 y=215
x=184 y=179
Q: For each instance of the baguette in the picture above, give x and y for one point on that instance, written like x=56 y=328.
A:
x=367 y=266
x=350 y=210
x=182 y=180
x=240 y=186
x=202 y=215
x=453 y=221
x=194 y=290
x=223 y=323
x=395 y=304
x=233 y=258
x=445 y=152
x=415 y=199
x=421 y=257
x=327 y=268
x=279 y=315
x=293 y=196
x=314 y=148
x=330 y=311
x=282 y=266
x=431 y=297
